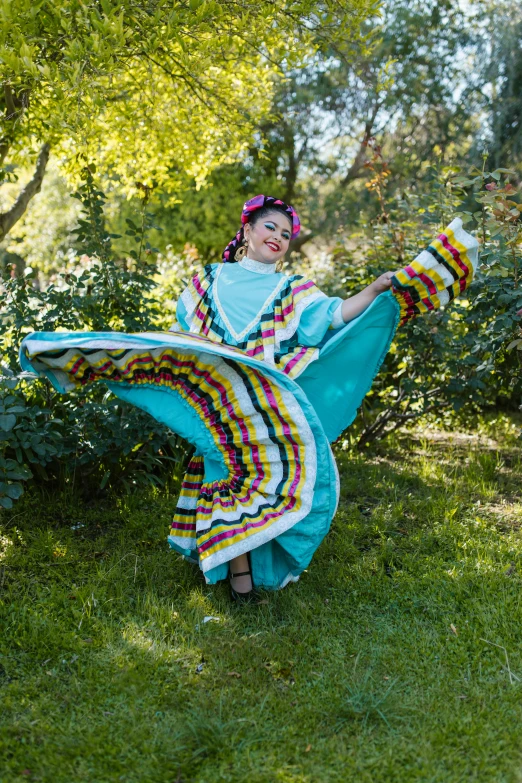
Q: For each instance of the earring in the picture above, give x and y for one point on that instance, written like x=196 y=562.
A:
x=240 y=253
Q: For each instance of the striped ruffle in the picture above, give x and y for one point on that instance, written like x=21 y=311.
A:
x=438 y=274
x=255 y=428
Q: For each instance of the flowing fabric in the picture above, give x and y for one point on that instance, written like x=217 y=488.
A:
x=260 y=398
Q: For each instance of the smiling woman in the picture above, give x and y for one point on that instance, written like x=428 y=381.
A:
x=261 y=372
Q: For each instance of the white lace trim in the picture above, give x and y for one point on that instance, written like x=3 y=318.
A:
x=240 y=337
x=337 y=481
x=337 y=318
x=190 y=306
x=288 y=578
x=257 y=266
x=291 y=328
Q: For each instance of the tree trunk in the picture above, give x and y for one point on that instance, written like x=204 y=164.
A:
x=13 y=215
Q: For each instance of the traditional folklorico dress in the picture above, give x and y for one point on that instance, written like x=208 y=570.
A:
x=260 y=374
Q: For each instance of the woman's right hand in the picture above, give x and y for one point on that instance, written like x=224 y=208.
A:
x=383 y=283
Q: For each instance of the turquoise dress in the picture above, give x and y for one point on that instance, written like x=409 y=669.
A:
x=260 y=374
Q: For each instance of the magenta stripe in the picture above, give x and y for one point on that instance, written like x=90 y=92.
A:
x=191 y=484
x=454 y=252
x=303 y=287
x=78 y=363
x=255 y=351
x=197 y=285
x=248 y=526
x=428 y=282
x=294 y=361
x=183 y=526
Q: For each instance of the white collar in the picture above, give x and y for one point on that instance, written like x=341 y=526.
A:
x=257 y=266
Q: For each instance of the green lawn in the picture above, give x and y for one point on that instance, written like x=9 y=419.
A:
x=379 y=665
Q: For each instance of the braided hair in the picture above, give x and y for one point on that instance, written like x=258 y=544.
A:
x=253 y=210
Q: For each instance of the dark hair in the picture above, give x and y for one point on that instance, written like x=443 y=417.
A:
x=259 y=214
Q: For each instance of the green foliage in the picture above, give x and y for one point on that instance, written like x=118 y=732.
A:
x=462 y=357
x=87 y=441
x=153 y=91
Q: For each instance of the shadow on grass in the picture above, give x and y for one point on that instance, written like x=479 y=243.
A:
x=110 y=672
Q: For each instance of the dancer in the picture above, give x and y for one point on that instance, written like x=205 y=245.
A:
x=261 y=372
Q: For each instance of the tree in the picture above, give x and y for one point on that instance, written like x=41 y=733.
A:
x=498 y=80
x=311 y=149
x=153 y=90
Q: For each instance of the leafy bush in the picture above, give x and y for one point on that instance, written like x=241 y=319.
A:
x=461 y=358
x=86 y=440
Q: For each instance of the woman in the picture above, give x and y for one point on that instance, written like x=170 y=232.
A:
x=261 y=372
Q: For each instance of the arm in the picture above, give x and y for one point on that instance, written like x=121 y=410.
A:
x=354 y=306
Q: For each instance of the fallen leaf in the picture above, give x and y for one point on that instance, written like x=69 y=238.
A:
x=386 y=678
x=308 y=749
x=453 y=629
x=234 y=674
x=264 y=602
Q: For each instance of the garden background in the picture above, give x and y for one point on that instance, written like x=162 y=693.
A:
x=131 y=134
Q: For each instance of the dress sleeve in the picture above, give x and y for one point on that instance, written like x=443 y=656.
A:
x=181 y=322
x=439 y=274
x=319 y=316
x=191 y=297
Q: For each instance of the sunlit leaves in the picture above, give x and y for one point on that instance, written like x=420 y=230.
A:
x=153 y=90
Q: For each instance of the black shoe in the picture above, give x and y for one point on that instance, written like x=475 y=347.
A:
x=243 y=598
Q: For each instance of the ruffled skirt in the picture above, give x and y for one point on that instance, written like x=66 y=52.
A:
x=263 y=479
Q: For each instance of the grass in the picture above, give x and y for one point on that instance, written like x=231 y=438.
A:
x=380 y=665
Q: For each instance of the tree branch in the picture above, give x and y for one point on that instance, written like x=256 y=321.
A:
x=354 y=170
x=9 y=218
x=298 y=242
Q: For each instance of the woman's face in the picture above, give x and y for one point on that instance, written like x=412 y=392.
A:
x=268 y=239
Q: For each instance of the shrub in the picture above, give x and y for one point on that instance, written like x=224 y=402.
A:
x=87 y=435
x=464 y=357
